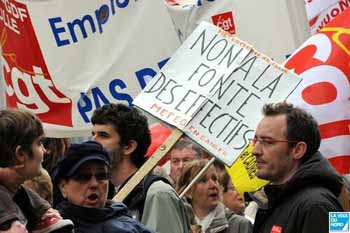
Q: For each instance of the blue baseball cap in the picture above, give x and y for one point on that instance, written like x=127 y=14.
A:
x=76 y=156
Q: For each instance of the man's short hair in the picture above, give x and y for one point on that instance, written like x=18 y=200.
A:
x=130 y=124
x=301 y=126
x=17 y=128
x=186 y=143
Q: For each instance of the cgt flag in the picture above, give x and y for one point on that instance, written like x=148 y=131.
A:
x=323 y=62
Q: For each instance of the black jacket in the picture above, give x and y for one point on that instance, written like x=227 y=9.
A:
x=302 y=204
x=112 y=218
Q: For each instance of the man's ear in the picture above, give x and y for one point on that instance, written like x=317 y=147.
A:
x=20 y=155
x=130 y=147
x=62 y=187
x=299 y=150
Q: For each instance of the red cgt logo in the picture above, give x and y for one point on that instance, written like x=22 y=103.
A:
x=28 y=83
x=225 y=21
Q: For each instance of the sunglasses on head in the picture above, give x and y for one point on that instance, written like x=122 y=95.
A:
x=86 y=177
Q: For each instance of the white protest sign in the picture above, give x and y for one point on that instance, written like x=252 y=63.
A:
x=63 y=59
x=213 y=89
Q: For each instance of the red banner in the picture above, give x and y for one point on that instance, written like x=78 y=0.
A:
x=323 y=62
x=28 y=83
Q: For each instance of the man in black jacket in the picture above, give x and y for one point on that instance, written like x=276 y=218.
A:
x=303 y=186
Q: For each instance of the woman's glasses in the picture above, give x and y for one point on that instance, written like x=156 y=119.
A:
x=86 y=177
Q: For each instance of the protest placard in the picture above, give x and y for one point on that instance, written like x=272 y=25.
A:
x=243 y=172
x=213 y=89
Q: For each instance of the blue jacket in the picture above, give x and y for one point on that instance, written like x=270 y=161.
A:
x=112 y=218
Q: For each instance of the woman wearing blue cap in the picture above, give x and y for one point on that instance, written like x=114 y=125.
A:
x=81 y=185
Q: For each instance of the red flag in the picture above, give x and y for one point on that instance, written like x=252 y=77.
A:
x=323 y=62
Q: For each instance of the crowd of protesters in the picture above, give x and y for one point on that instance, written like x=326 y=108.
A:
x=53 y=185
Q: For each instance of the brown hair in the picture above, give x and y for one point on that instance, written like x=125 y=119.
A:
x=17 y=128
x=224 y=181
x=55 y=148
x=189 y=172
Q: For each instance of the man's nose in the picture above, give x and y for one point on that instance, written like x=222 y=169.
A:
x=43 y=148
x=257 y=149
x=212 y=183
x=93 y=181
x=181 y=164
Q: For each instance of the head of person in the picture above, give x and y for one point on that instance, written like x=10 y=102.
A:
x=21 y=136
x=204 y=195
x=55 y=148
x=123 y=131
x=81 y=176
x=230 y=197
x=286 y=137
x=181 y=153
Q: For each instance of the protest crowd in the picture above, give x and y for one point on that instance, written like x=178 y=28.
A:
x=164 y=163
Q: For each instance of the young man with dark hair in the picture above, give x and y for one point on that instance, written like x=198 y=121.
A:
x=124 y=132
x=21 y=154
x=303 y=186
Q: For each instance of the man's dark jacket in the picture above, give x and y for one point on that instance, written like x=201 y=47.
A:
x=302 y=204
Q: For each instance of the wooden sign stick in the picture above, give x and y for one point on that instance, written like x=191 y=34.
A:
x=149 y=165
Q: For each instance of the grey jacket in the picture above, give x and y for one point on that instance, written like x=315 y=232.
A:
x=225 y=221
x=164 y=211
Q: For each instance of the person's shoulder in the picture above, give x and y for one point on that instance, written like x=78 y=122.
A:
x=160 y=186
x=236 y=218
x=5 y=194
x=319 y=197
x=154 y=183
x=237 y=222
x=239 y=219
x=125 y=223
x=315 y=195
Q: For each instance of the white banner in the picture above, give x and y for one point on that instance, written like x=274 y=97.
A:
x=63 y=59
x=187 y=15
x=213 y=89
x=275 y=28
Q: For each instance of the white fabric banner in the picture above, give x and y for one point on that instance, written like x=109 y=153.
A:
x=63 y=59
x=275 y=28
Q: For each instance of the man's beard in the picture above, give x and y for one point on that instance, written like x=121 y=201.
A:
x=116 y=157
